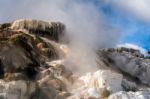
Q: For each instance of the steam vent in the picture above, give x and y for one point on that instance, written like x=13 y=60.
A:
x=35 y=64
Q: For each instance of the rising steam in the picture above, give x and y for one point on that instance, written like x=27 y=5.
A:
x=87 y=29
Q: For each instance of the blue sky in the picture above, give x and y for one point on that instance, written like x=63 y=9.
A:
x=135 y=28
x=131 y=17
x=134 y=31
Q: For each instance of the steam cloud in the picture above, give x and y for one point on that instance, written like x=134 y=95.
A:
x=86 y=27
x=136 y=8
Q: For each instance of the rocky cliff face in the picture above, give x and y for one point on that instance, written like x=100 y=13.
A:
x=127 y=61
x=134 y=67
x=33 y=66
x=25 y=47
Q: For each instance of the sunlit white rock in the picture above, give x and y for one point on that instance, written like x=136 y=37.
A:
x=103 y=79
x=56 y=62
x=93 y=84
x=21 y=24
x=131 y=95
x=15 y=89
x=93 y=92
x=64 y=48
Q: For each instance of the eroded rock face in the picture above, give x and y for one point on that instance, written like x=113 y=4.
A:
x=25 y=47
x=34 y=65
x=51 y=30
x=97 y=85
x=104 y=79
x=128 y=85
x=18 y=53
x=128 y=61
x=131 y=95
x=16 y=89
x=22 y=50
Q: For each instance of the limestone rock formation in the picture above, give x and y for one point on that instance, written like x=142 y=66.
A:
x=103 y=79
x=96 y=85
x=52 y=30
x=25 y=47
x=34 y=64
x=21 y=51
x=128 y=85
x=128 y=61
x=131 y=95
x=16 y=89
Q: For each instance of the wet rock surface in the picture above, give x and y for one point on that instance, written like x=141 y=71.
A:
x=34 y=65
x=23 y=56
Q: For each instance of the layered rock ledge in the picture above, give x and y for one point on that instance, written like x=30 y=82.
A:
x=34 y=65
